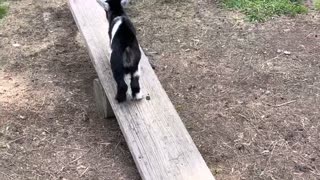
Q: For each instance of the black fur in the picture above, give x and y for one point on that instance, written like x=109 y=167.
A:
x=125 y=56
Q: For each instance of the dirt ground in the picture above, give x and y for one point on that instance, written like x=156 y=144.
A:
x=248 y=93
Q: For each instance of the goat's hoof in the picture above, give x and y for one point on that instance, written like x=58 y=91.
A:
x=121 y=98
x=138 y=96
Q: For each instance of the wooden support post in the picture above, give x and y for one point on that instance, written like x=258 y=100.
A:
x=102 y=102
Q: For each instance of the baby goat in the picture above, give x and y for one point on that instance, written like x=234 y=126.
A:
x=125 y=50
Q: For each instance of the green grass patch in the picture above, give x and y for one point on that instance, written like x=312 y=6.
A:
x=261 y=10
x=317 y=4
x=3 y=8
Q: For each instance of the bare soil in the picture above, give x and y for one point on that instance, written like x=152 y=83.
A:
x=248 y=93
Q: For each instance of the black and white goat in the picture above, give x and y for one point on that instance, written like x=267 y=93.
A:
x=125 y=49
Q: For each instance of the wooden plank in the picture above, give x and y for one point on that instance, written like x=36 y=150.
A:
x=158 y=141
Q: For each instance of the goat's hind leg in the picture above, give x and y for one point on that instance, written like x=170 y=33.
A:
x=122 y=88
x=119 y=75
x=135 y=85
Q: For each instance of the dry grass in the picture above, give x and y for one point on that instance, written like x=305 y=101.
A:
x=48 y=125
x=250 y=108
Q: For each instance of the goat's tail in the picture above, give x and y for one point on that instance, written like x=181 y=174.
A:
x=131 y=56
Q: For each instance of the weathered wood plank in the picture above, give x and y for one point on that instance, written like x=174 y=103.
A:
x=159 y=143
x=102 y=102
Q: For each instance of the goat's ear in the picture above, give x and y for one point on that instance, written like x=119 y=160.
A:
x=124 y=3
x=104 y=4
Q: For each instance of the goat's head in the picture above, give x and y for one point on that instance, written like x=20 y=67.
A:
x=110 y=4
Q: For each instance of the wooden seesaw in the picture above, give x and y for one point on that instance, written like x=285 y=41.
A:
x=158 y=140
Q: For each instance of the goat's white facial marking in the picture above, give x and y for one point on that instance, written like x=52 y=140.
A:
x=115 y=27
x=104 y=4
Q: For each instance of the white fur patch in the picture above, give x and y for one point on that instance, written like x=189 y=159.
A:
x=110 y=50
x=127 y=79
x=139 y=96
x=115 y=27
x=138 y=72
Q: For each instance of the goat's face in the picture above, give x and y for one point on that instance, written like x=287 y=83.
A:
x=112 y=6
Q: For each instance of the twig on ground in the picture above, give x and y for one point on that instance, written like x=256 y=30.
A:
x=269 y=159
x=282 y=104
x=84 y=171
x=79 y=157
x=78 y=149
x=286 y=103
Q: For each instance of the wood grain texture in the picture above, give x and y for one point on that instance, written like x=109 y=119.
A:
x=158 y=140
